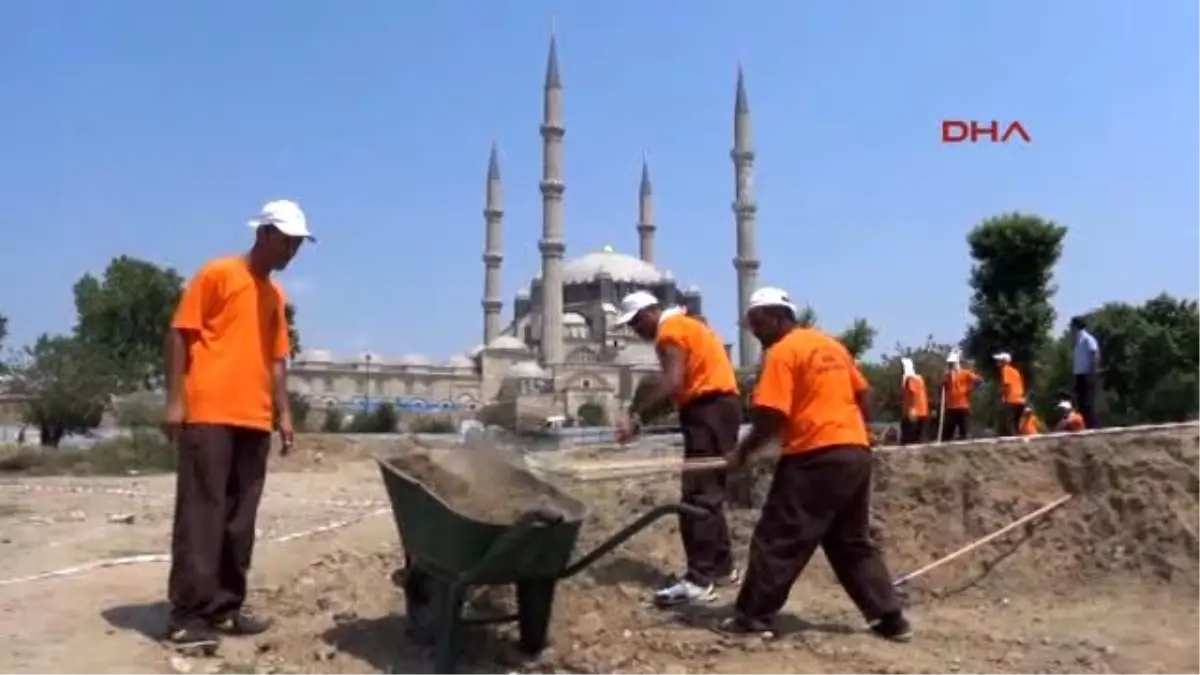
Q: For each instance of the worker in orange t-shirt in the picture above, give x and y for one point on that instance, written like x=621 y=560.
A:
x=226 y=376
x=699 y=377
x=914 y=404
x=1070 y=419
x=1030 y=424
x=815 y=401
x=1012 y=394
x=957 y=386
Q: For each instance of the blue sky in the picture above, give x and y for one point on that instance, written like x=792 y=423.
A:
x=155 y=129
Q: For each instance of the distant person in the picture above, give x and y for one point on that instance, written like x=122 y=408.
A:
x=1030 y=424
x=958 y=385
x=698 y=375
x=1012 y=394
x=1086 y=370
x=1069 y=419
x=914 y=404
x=226 y=373
x=817 y=403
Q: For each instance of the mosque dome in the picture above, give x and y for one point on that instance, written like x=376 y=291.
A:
x=507 y=342
x=460 y=361
x=475 y=351
x=619 y=266
x=414 y=360
x=315 y=356
x=526 y=370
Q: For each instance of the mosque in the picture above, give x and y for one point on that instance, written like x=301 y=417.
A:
x=560 y=349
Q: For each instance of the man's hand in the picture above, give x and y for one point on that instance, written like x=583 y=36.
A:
x=287 y=434
x=735 y=460
x=625 y=428
x=173 y=420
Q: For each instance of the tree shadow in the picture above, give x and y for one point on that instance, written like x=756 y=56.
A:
x=621 y=569
x=148 y=618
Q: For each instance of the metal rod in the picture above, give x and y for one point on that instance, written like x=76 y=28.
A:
x=905 y=578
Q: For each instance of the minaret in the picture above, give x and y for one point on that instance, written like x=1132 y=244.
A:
x=645 y=226
x=552 y=244
x=493 y=214
x=744 y=208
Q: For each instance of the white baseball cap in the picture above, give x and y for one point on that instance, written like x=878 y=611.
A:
x=769 y=296
x=953 y=356
x=634 y=303
x=285 y=215
x=1002 y=356
x=1064 y=405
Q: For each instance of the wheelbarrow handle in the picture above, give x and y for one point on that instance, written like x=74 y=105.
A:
x=626 y=533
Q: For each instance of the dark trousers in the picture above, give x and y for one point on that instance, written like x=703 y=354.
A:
x=957 y=424
x=710 y=429
x=912 y=430
x=219 y=484
x=1010 y=418
x=1085 y=399
x=819 y=498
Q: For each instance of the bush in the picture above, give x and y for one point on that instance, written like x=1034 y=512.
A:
x=431 y=424
x=380 y=421
x=334 y=421
x=143 y=451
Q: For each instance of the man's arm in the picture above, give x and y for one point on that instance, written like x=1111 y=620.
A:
x=175 y=349
x=671 y=360
x=770 y=404
x=282 y=348
x=765 y=424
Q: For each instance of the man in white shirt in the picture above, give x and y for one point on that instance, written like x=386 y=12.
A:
x=1086 y=370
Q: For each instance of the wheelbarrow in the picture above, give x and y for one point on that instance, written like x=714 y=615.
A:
x=447 y=553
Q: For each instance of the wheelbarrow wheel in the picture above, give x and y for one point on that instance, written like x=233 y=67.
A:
x=421 y=602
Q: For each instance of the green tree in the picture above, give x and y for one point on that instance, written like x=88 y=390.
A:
x=1150 y=354
x=381 y=420
x=335 y=420
x=858 y=338
x=123 y=317
x=300 y=407
x=68 y=386
x=1012 y=282
x=3 y=329
x=289 y=313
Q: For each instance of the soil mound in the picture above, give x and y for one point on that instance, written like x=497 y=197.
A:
x=480 y=485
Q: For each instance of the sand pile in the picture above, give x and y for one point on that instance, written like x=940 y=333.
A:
x=481 y=485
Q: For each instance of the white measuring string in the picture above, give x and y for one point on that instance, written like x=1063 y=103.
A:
x=124 y=492
x=166 y=557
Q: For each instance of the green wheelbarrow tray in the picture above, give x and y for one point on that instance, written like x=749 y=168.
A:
x=447 y=553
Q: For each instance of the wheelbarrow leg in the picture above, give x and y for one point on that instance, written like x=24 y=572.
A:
x=535 y=602
x=451 y=621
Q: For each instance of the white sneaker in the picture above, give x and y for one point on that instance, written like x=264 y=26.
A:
x=683 y=592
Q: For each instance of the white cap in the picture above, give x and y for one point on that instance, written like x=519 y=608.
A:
x=1002 y=356
x=953 y=356
x=634 y=303
x=769 y=296
x=285 y=215
x=1064 y=405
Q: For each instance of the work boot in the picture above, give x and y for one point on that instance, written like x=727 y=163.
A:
x=243 y=622
x=193 y=638
x=893 y=627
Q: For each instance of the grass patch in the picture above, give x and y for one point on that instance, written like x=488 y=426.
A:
x=143 y=451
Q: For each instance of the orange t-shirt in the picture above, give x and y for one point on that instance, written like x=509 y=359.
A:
x=811 y=378
x=1073 y=422
x=1030 y=425
x=916 y=399
x=958 y=384
x=237 y=332
x=706 y=365
x=1013 y=384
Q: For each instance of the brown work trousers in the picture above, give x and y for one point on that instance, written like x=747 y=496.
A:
x=219 y=484
x=819 y=498
x=710 y=429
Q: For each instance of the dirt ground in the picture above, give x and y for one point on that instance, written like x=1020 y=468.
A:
x=1108 y=583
